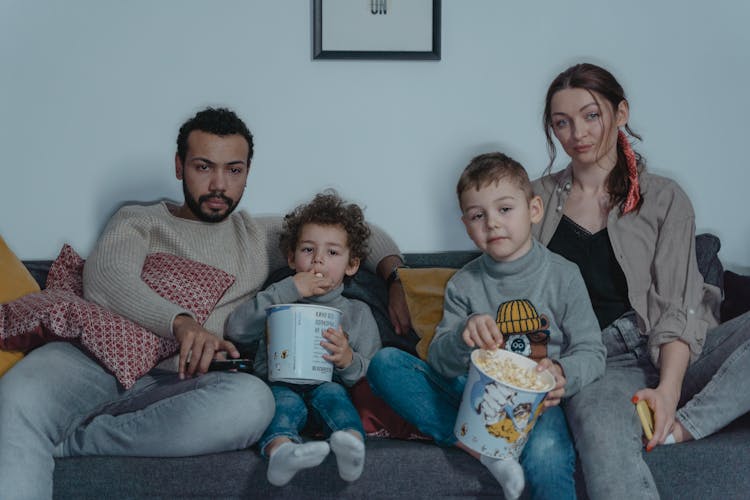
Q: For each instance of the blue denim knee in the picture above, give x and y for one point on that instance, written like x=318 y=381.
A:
x=333 y=407
x=549 y=457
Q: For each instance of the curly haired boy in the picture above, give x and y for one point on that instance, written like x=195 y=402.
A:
x=325 y=241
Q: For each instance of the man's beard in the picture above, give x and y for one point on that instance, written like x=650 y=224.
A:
x=195 y=205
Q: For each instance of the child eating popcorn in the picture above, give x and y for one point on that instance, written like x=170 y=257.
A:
x=514 y=271
x=325 y=241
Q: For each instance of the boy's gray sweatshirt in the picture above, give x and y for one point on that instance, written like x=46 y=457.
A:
x=247 y=323
x=547 y=282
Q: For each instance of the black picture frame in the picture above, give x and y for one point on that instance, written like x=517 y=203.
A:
x=431 y=52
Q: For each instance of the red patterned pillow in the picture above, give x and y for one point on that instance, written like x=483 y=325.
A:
x=35 y=318
x=123 y=347
x=66 y=272
x=187 y=283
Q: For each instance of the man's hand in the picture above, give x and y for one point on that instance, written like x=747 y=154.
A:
x=555 y=395
x=481 y=331
x=397 y=309
x=337 y=344
x=398 y=312
x=199 y=345
x=309 y=283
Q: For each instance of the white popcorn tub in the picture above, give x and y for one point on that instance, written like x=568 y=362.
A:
x=294 y=333
x=495 y=417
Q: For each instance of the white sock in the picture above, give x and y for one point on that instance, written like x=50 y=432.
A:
x=508 y=473
x=350 y=454
x=290 y=458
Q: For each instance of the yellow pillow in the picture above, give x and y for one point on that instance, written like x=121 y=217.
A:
x=15 y=282
x=424 y=289
x=8 y=359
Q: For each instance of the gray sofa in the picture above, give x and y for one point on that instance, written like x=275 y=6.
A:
x=715 y=467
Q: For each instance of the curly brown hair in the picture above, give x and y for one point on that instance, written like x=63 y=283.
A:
x=327 y=209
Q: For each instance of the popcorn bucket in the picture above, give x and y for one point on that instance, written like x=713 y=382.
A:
x=295 y=332
x=500 y=404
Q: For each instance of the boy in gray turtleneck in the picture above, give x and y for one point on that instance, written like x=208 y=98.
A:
x=515 y=271
x=519 y=296
x=324 y=241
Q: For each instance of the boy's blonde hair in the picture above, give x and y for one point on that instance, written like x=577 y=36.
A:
x=490 y=168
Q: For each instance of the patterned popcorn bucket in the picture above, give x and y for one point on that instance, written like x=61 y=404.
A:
x=295 y=332
x=500 y=404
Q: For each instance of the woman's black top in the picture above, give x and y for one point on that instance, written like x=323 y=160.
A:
x=601 y=272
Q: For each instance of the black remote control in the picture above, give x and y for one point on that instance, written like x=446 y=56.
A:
x=241 y=365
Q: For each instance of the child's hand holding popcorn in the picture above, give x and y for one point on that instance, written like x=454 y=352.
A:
x=310 y=283
x=481 y=331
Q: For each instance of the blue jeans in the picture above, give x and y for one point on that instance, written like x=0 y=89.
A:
x=58 y=402
x=332 y=409
x=605 y=425
x=430 y=401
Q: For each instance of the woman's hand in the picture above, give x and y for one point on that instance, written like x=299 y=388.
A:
x=555 y=395
x=664 y=405
x=674 y=358
x=481 y=331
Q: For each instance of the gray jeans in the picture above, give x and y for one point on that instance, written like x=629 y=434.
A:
x=57 y=402
x=603 y=420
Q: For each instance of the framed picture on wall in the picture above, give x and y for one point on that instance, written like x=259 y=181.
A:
x=376 y=29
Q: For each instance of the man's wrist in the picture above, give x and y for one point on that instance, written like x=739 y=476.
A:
x=179 y=320
x=393 y=276
x=386 y=265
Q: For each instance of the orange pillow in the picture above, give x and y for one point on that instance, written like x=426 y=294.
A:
x=8 y=359
x=425 y=289
x=15 y=282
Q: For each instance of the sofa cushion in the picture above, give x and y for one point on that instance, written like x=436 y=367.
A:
x=66 y=272
x=15 y=282
x=712 y=467
x=123 y=347
x=707 y=248
x=15 y=279
x=8 y=359
x=424 y=289
x=736 y=295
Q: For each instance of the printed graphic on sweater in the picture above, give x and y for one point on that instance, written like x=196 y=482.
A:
x=525 y=331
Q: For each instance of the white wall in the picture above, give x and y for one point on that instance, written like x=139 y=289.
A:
x=92 y=93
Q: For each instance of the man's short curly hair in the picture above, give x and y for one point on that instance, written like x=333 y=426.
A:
x=327 y=209
x=217 y=121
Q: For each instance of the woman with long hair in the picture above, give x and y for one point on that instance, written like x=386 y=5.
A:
x=632 y=234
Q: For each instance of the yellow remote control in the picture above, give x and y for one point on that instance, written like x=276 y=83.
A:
x=647 y=418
